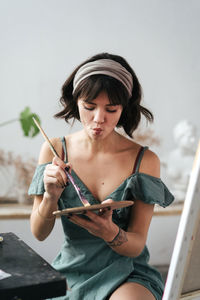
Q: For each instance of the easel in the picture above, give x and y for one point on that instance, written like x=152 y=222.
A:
x=183 y=280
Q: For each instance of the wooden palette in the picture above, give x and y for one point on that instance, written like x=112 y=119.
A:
x=94 y=207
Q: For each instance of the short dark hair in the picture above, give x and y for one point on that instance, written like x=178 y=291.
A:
x=90 y=87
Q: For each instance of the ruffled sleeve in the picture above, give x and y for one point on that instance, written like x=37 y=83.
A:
x=149 y=189
x=37 y=184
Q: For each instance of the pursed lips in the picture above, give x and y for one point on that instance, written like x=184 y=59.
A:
x=97 y=129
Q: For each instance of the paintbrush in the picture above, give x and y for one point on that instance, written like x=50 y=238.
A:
x=69 y=176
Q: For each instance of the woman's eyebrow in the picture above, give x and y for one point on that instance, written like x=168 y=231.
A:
x=90 y=102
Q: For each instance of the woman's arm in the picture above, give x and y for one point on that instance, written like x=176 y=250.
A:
x=132 y=242
x=42 y=221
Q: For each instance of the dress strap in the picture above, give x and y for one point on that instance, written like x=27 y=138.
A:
x=139 y=159
x=64 y=149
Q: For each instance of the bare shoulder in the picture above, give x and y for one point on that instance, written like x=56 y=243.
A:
x=46 y=154
x=150 y=164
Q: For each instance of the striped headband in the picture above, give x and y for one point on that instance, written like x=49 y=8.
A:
x=106 y=67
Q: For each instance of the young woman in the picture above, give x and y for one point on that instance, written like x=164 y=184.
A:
x=104 y=255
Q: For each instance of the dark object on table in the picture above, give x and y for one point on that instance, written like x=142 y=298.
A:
x=32 y=278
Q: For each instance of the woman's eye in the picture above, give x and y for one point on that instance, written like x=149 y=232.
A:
x=111 y=110
x=88 y=107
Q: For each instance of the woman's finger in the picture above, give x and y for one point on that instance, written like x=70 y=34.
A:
x=58 y=172
x=62 y=167
x=55 y=172
x=68 y=167
x=58 y=162
x=53 y=180
x=105 y=212
x=108 y=201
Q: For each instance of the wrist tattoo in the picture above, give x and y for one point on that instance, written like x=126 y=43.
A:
x=119 y=239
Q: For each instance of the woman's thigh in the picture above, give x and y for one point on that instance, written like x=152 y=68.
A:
x=132 y=291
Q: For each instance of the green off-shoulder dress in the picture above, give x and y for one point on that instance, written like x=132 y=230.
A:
x=92 y=269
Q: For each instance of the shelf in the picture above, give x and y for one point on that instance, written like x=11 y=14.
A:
x=172 y=210
x=15 y=211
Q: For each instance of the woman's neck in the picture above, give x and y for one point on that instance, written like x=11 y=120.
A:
x=109 y=144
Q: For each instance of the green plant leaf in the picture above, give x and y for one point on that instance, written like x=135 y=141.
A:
x=26 y=120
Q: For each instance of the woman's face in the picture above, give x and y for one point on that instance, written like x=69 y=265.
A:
x=98 y=117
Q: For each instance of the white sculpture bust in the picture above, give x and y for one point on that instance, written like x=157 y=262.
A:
x=180 y=160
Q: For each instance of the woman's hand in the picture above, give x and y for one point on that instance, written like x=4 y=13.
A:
x=100 y=225
x=55 y=179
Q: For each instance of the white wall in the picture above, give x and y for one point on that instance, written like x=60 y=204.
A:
x=43 y=40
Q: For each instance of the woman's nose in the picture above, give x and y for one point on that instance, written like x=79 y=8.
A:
x=99 y=116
